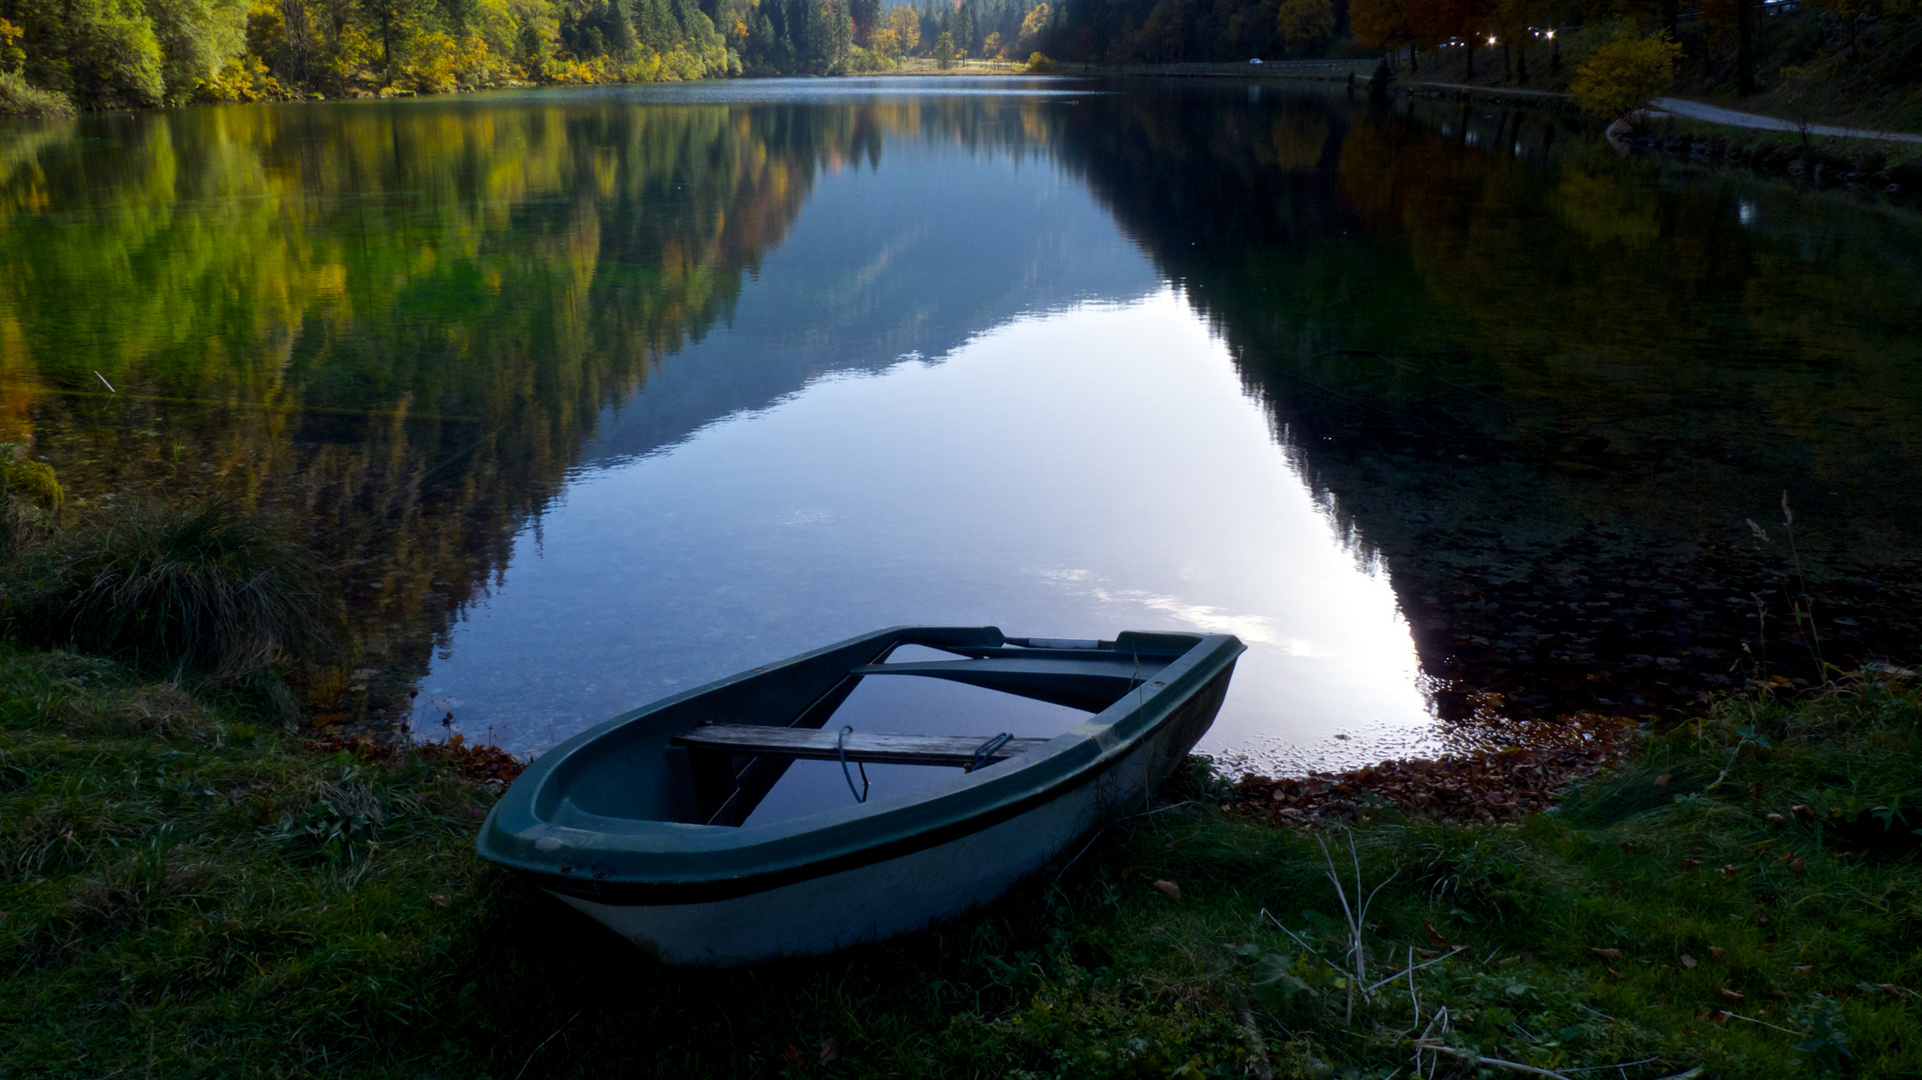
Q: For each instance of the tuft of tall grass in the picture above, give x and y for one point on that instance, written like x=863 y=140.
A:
x=213 y=592
x=30 y=496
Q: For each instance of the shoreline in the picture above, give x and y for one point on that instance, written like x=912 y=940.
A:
x=266 y=908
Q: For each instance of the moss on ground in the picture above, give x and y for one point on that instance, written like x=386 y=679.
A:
x=186 y=891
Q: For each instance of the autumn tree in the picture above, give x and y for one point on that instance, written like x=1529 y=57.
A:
x=1622 y=74
x=1304 y=21
x=906 y=26
x=1381 y=24
x=1033 y=25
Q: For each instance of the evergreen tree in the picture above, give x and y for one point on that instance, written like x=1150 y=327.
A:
x=830 y=35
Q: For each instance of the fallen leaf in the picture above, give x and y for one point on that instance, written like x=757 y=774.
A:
x=1613 y=973
x=1607 y=954
x=829 y=1052
x=1515 y=959
x=1723 y=1016
x=1690 y=864
x=1688 y=961
x=1662 y=780
x=1435 y=935
x=1733 y=995
x=1803 y=969
x=1797 y=866
x=792 y=1054
x=1776 y=817
x=1169 y=889
x=440 y=899
x=1777 y=993
x=1729 y=871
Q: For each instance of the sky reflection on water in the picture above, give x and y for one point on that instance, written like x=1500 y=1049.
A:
x=1077 y=473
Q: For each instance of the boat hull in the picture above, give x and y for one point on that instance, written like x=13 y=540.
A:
x=906 y=892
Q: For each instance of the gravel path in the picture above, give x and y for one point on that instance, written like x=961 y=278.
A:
x=1695 y=110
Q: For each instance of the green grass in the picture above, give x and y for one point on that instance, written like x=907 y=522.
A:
x=186 y=892
x=213 y=591
x=1883 y=155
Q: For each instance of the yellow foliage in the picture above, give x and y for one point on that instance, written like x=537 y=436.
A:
x=1622 y=74
x=12 y=56
x=1035 y=22
x=906 y=26
x=242 y=79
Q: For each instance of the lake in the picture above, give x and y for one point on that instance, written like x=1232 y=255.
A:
x=1461 y=421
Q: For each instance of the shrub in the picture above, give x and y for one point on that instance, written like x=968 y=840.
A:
x=1621 y=75
x=1039 y=63
x=30 y=495
x=214 y=591
x=17 y=98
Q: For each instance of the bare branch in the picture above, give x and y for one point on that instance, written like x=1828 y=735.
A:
x=1476 y=1059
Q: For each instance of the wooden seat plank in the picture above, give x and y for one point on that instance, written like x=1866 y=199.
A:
x=872 y=747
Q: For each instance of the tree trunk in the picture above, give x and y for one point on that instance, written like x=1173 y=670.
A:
x=1468 y=61
x=1508 y=62
x=1521 y=60
x=1744 y=47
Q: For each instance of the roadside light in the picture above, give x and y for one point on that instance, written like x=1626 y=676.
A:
x=1551 y=33
x=1491 y=40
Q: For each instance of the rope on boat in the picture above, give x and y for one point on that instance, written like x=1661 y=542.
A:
x=986 y=750
x=841 y=747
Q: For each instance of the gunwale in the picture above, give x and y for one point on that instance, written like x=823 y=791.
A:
x=633 y=861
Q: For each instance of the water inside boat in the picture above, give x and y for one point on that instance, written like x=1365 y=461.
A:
x=912 y=706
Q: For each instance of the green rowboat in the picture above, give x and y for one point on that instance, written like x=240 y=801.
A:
x=639 y=822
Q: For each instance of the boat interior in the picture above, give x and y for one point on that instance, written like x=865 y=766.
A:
x=871 y=719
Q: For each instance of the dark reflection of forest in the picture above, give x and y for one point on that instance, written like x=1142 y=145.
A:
x=1555 y=388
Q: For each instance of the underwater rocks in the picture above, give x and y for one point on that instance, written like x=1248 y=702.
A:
x=1457 y=790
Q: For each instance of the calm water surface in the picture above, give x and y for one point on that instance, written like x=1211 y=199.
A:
x=1460 y=421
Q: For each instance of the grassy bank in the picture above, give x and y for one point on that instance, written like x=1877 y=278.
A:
x=188 y=891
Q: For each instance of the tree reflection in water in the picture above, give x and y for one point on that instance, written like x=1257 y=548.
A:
x=1550 y=387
